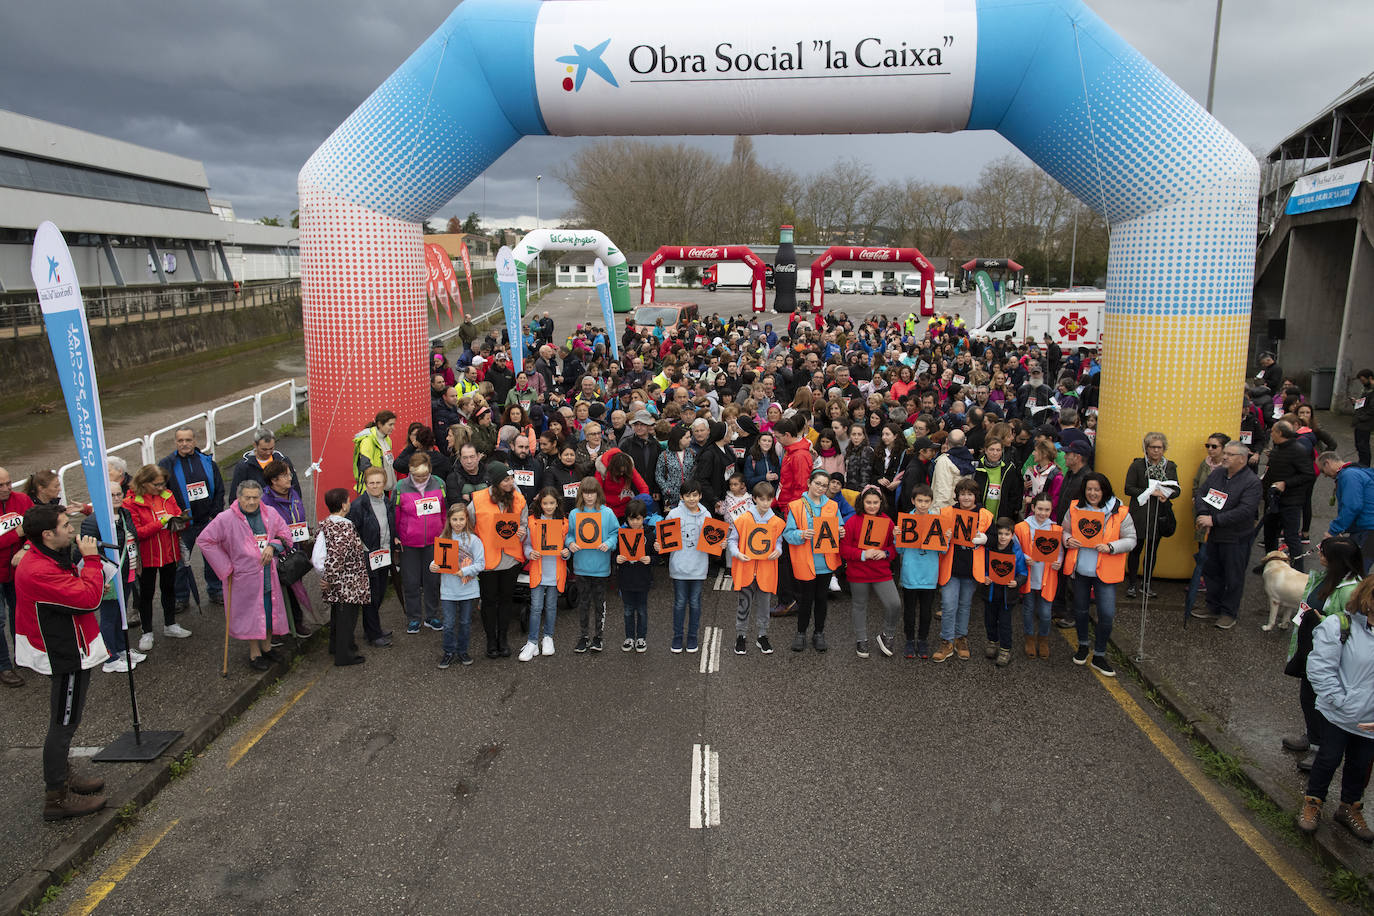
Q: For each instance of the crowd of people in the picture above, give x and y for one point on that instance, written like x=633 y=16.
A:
x=894 y=459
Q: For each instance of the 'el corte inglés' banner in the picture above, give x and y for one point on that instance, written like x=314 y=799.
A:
x=1324 y=190
x=507 y=281
x=616 y=67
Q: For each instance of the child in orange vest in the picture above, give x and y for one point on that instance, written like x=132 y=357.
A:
x=548 y=579
x=1042 y=577
x=634 y=578
x=755 y=580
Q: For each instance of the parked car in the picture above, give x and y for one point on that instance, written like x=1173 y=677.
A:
x=830 y=285
x=889 y=288
x=672 y=313
x=868 y=288
x=942 y=286
x=848 y=287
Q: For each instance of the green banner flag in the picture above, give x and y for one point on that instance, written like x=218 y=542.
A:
x=986 y=296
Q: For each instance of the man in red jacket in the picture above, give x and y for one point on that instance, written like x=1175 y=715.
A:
x=58 y=633
x=797 y=463
x=13 y=505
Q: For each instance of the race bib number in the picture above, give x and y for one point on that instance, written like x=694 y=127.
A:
x=428 y=505
x=261 y=539
x=735 y=507
x=379 y=559
x=1215 y=498
x=1247 y=438
x=1032 y=402
x=958 y=380
x=10 y=522
x=1278 y=411
x=994 y=492
x=739 y=452
x=197 y=490
x=570 y=490
x=523 y=478
x=1359 y=404
x=300 y=532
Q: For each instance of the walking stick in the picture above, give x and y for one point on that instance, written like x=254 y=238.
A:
x=228 y=603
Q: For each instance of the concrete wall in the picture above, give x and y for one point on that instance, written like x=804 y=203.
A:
x=140 y=346
x=1356 y=348
x=1267 y=303
x=1314 y=296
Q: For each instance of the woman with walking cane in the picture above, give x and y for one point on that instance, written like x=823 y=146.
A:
x=1157 y=476
x=241 y=545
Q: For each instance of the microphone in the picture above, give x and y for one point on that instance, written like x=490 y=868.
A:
x=103 y=546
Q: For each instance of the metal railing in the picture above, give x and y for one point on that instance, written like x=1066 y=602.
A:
x=124 y=306
x=209 y=421
x=477 y=320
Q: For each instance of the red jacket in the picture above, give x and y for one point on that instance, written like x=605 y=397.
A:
x=618 y=500
x=794 y=474
x=56 y=627
x=851 y=550
x=12 y=531
x=156 y=545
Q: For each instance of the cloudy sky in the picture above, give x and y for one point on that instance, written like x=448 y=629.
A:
x=252 y=87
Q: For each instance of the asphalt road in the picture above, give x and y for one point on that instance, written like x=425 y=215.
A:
x=564 y=785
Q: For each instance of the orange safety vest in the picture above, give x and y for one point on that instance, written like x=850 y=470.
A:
x=765 y=572
x=947 y=558
x=536 y=570
x=1049 y=579
x=1111 y=567
x=803 y=565
x=486 y=510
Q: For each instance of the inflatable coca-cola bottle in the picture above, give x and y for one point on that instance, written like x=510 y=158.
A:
x=785 y=274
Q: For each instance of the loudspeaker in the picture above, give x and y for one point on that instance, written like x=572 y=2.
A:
x=1278 y=328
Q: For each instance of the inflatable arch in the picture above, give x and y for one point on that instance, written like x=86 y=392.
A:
x=1178 y=190
x=591 y=240
x=648 y=271
x=855 y=255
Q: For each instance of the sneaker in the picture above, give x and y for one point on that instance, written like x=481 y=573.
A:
x=799 y=642
x=413 y=627
x=990 y=650
x=1225 y=623
x=145 y=642
x=834 y=584
x=741 y=645
x=818 y=642
x=1103 y=667
x=1305 y=764
x=596 y=644
x=447 y=659
x=885 y=644
x=176 y=631
x=434 y=623
x=1202 y=614
x=961 y=648
x=137 y=657
x=628 y=645
x=116 y=665
x=922 y=648
x=464 y=659
x=945 y=651
x=528 y=651
x=692 y=645
x=1003 y=658
x=546 y=647
x=1297 y=743
x=861 y=648
x=910 y=650
x=1080 y=657
x=764 y=645
x=641 y=645
x=1351 y=817
x=583 y=644
x=677 y=645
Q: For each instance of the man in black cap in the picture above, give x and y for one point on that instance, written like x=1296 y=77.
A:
x=643 y=448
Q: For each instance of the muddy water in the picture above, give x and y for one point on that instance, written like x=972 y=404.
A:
x=131 y=410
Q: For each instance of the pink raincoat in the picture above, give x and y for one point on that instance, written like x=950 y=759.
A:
x=232 y=550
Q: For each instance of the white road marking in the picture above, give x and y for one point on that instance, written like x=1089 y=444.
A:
x=710 y=650
x=721 y=579
x=705 y=791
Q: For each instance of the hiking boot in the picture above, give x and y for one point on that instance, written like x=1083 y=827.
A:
x=1296 y=743
x=945 y=651
x=1042 y=645
x=60 y=804
x=1030 y=647
x=83 y=785
x=1305 y=764
x=1311 y=814
x=1003 y=658
x=961 y=648
x=799 y=642
x=990 y=650
x=1351 y=817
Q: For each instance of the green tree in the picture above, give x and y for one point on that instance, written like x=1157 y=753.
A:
x=270 y=221
x=473 y=224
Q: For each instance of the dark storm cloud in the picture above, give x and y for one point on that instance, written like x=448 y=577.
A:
x=252 y=87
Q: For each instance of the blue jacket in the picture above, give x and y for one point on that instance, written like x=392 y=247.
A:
x=758 y=469
x=688 y=563
x=1021 y=571
x=451 y=585
x=594 y=562
x=1354 y=500
x=920 y=568
x=196 y=468
x=1342 y=674
x=846 y=510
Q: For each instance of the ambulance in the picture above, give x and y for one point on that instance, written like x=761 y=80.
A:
x=1072 y=318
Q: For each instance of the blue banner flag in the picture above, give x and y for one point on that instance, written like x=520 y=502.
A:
x=507 y=280
x=64 y=315
x=603 y=290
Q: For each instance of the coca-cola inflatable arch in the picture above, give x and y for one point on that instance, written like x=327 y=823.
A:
x=1048 y=75
x=711 y=254
x=839 y=254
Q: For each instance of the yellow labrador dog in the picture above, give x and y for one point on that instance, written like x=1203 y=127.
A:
x=1285 y=586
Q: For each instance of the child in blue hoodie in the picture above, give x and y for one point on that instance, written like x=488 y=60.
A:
x=1001 y=600
x=687 y=567
x=920 y=581
x=592 y=565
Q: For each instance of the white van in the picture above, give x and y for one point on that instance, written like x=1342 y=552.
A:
x=942 y=287
x=911 y=285
x=1073 y=318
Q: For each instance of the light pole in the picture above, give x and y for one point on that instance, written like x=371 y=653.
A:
x=539 y=262
x=1212 y=75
